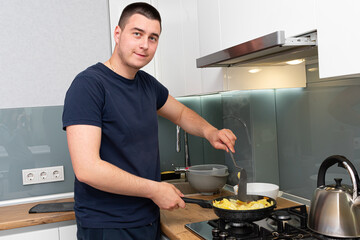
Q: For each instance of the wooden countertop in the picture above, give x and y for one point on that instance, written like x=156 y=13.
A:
x=173 y=222
x=18 y=216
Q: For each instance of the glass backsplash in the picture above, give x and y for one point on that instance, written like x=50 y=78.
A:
x=312 y=124
x=283 y=136
x=200 y=150
x=32 y=138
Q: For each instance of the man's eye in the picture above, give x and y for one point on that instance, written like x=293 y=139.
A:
x=154 y=39
x=136 y=34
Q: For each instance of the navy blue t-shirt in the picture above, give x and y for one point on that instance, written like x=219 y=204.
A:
x=126 y=112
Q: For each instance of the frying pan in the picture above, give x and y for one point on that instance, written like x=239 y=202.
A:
x=236 y=215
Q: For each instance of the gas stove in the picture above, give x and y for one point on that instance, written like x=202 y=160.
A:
x=287 y=223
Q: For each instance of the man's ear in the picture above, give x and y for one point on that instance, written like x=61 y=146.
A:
x=117 y=33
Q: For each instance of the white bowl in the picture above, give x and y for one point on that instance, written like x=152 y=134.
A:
x=262 y=189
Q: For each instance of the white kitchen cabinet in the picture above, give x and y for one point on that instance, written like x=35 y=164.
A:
x=179 y=47
x=30 y=233
x=115 y=9
x=68 y=232
x=244 y=20
x=338 y=38
x=225 y=23
x=209 y=42
x=53 y=231
x=174 y=64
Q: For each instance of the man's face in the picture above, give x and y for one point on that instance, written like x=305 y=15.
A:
x=137 y=42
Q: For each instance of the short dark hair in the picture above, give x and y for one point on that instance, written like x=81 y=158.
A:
x=142 y=8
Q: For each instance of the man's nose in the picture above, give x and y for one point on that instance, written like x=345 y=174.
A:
x=144 y=43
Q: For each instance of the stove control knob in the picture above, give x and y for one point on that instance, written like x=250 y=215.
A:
x=215 y=232
x=223 y=235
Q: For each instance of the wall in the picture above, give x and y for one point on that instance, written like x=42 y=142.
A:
x=285 y=134
x=44 y=45
x=32 y=138
x=200 y=151
x=312 y=124
x=250 y=115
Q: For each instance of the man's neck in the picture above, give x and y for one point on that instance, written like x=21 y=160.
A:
x=126 y=73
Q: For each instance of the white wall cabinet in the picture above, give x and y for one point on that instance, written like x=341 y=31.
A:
x=179 y=47
x=241 y=21
x=223 y=24
x=338 y=38
x=192 y=29
x=174 y=64
x=232 y=22
x=115 y=9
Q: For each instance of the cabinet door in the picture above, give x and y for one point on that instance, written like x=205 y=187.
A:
x=223 y=24
x=68 y=232
x=174 y=64
x=209 y=42
x=115 y=9
x=244 y=20
x=18 y=234
x=179 y=47
x=338 y=38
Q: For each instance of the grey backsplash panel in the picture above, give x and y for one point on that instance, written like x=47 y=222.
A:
x=200 y=151
x=314 y=123
x=32 y=138
x=283 y=136
x=236 y=117
x=251 y=116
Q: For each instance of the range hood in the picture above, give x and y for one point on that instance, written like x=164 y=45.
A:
x=269 y=50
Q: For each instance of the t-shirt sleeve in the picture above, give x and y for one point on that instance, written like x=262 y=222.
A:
x=162 y=94
x=83 y=102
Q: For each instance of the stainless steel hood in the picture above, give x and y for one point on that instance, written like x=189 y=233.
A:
x=269 y=50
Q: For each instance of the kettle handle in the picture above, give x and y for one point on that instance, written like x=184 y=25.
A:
x=342 y=162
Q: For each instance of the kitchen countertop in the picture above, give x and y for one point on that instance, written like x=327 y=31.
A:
x=17 y=216
x=173 y=222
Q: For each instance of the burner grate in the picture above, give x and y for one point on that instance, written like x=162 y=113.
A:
x=283 y=227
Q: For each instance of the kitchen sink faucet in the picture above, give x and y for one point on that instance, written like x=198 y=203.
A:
x=186 y=145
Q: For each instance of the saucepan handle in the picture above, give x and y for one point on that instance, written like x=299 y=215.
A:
x=202 y=203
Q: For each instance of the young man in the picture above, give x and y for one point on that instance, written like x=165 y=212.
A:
x=110 y=115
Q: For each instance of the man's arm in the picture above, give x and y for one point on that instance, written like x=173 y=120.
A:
x=194 y=124
x=84 y=145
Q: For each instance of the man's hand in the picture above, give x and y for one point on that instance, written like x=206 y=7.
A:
x=222 y=139
x=167 y=196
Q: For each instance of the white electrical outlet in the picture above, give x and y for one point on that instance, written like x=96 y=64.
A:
x=43 y=175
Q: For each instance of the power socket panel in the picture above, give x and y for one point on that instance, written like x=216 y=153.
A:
x=43 y=175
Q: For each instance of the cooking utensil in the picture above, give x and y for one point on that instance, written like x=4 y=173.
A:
x=236 y=215
x=262 y=189
x=242 y=185
x=207 y=178
x=335 y=209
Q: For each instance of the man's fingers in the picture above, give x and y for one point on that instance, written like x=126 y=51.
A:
x=228 y=138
